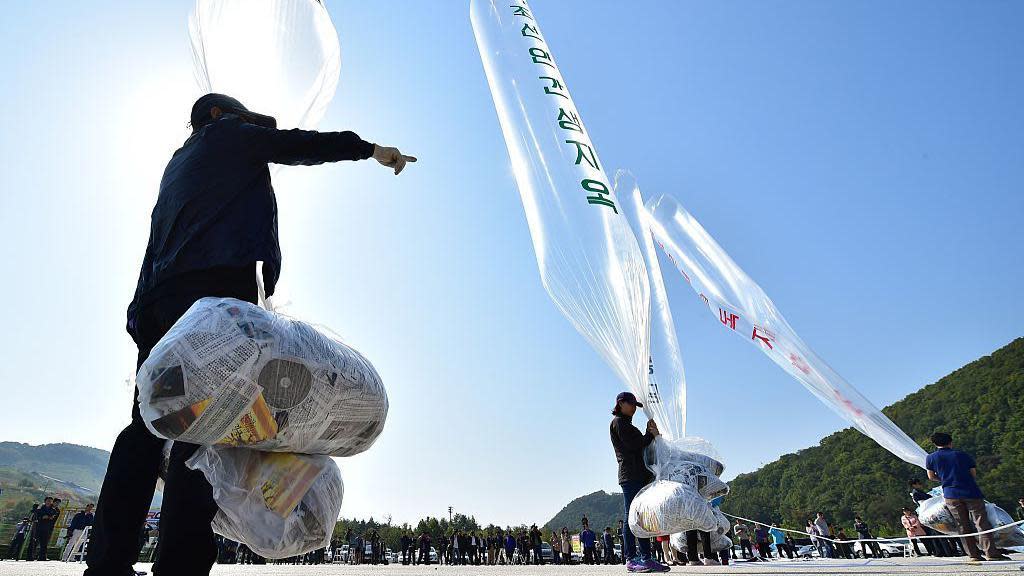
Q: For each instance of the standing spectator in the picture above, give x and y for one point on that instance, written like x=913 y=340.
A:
x=914 y=529
x=691 y=548
x=536 y=541
x=943 y=546
x=629 y=445
x=589 y=542
x=764 y=549
x=566 y=546
x=425 y=549
x=845 y=548
x=609 y=545
x=779 y=537
x=556 y=547
x=864 y=533
x=742 y=532
x=622 y=542
x=824 y=531
x=20 y=531
x=76 y=530
x=403 y=542
x=510 y=546
x=47 y=517
x=956 y=471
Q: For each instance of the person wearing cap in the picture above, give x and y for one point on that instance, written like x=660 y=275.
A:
x=215 y=218
x=629 y=443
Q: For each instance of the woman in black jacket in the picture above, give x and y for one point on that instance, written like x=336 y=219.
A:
x=629 y=446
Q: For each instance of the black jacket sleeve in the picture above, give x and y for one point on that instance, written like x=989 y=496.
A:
x=305 y=147
x=631 y=438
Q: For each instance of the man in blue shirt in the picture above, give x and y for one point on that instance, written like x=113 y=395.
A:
x=589 y=541
x=957 y=471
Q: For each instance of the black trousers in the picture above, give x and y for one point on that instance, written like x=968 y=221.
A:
x=43 y=534
x=187 y=545
x=691 y=545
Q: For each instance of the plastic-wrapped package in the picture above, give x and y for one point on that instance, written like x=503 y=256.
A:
x=934 y=514
x=690 y=460
x=279 y=57
x=743 y=307
x=686 y=477
x=665 y=398
x=278 y=504
x=665 y=507
x=587 y=255
x=232 y=373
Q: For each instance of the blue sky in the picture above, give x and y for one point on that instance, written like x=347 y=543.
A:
x=862 y=161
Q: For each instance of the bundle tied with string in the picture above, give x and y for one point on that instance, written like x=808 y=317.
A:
x=934 y=514
x=686 y=474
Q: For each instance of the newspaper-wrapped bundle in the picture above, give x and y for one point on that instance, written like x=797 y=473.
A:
x=686 y=477
x=278 y=504
x=934 y=514
x=229 y=372
x=665 y=507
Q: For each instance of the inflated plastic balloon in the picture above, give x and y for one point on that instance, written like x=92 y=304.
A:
x=742 y=307
x=589 y=260
x=279 y=57
x=665 y=400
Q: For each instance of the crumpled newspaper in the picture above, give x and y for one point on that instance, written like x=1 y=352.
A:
x=231 y=373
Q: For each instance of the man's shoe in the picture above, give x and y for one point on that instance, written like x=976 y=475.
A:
x=975 y=559
x=998 y=558
x=711 y=562
x=695 y=563
x=637 y=566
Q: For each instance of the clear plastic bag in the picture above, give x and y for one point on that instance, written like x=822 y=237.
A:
x=666 y=507
x=686 y=474
x=278 y=504
x=279 y=57
x=665 y=397
x=229 y=372
x=742 y=307
x=934 y=514
x=589 y=260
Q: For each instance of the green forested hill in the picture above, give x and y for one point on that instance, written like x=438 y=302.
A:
x=981 y=405
x=81 y=465
x=601 y=508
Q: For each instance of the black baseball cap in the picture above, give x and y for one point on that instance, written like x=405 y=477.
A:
x=627 y=397
x=201 y=111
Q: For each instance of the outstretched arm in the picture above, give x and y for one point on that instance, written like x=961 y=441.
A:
x=309 y=147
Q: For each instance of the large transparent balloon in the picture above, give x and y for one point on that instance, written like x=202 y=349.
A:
x=589 y=260
x=742 y=307
x=666 y=393
x=279 y=57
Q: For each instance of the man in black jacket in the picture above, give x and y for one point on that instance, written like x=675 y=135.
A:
x=215 y=218
x=629 y=446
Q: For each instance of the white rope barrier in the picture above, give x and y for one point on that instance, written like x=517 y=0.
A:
x=891 y=540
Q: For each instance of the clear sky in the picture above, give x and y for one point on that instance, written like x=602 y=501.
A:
x=863 y=161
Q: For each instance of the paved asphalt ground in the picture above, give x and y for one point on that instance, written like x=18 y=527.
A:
x=890 y=566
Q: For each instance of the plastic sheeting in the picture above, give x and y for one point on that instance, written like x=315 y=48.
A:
x=279 y=57
x=687 y=474
x=278 y=504
x=589 y=260
x=665 y=399
x=229 y=372
x=742 y=307
x=934 y=514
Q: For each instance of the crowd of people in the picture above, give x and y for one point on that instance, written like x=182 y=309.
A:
x=36 y=530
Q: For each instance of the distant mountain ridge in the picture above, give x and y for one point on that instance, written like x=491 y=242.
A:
x=82 y=465
x=601 y=509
